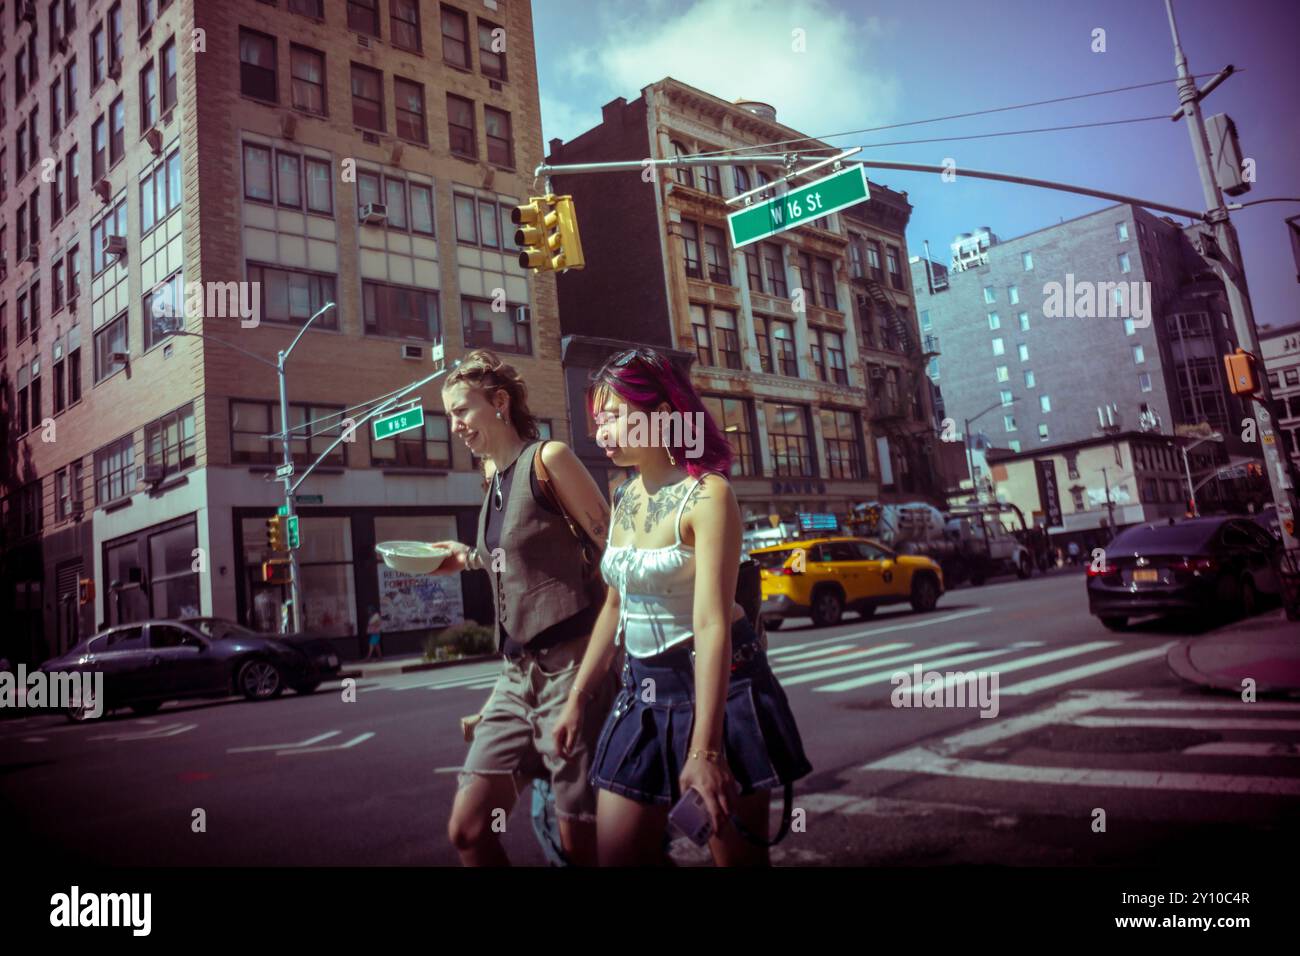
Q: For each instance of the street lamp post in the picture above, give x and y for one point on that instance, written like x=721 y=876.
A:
x=970 y=460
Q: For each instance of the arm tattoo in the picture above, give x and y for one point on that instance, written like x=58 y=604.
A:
x=598 y=528
x=664 y=502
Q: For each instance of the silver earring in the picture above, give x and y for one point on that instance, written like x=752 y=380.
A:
x=671 y=460
x=499 y=418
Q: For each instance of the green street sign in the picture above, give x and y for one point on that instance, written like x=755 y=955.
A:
x=401 y=422
x=294 y=540
x=799 y=206
x=282 y=510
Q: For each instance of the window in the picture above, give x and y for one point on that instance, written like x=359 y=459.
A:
x=288 y=179
x=1077 y=495
x=711 y=176
x=1024 y=321
x=998 y=347
x=685 y=175
x=1045 y=403
x=783 y=351
x=1009 y=422
x=110 y=348
x=995 y=322
x=368 y=98
x=892 y=262
x=170 y=441
x=1013 y=294
x=1027 y=261
x=485 y=328
x=500 y=144
x=257 y=66
x=873 y=259
x=491 y=60
x=292 y=297
x=56 y=107
x=455 y=38
x=1121 y=231
x=429 y=447
x=307 y=79
x=98 y=149
x=116 y=131
x=775 y=264
x=56 y=194
x=740 y=176
x=1292 y=376
x=753 y=268
x=700 y=329
x=168 y=60
x=734 y=417
x=721 y=341
x=98 y=57
x=477 y=221
x=252 y=421
x=1072 y=465
x=806 y=282
x=148 y=97
x=319 y=187
x=833 y=350
x=74 y=274
x=1007 y=397
x=363 y=16
x=1138 y=356
x=165 y=301
x=56 y=285
x=1023 y=350
x=787 y=440
x=461 y=136
x=257 y=173
x=1002 y=375
x=67 y=483
x=1129 y=327
x=148 y=13
x=112 y=223
x=1144 y=381
x=1042 y=432
x=825 y=283
x=843 y=442
x=989 y=294
x=395 y=201
x=1124 y=262
x=408 y=99
x=717 y=254
x=114 y=467
x=691 y=248
x=404 y=21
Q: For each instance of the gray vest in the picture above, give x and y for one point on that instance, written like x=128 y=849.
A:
x=540 y=581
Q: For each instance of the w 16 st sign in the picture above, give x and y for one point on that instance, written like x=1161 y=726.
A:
x=799 y=206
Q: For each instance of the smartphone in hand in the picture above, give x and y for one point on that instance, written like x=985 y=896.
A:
x=690 y=818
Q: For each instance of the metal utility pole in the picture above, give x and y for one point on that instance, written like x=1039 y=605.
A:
x=1110 y=505
x=1234 y=281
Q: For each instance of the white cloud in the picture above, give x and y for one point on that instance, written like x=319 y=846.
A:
x=734 y=49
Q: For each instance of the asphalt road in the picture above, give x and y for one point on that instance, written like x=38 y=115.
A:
x=1097 y=754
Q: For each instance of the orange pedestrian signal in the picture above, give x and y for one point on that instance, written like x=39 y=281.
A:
x=276 y=571
x=1241 y=373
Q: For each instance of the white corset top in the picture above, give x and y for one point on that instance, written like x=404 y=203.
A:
x=656 y=589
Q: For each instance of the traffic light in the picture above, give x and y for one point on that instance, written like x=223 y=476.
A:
x=275 y=533
x=536 y=236
x=570 y=244
x=276 y=571
x=1241 y=373
x=85 y=591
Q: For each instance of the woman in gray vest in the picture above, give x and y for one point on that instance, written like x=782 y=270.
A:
x=545 y=605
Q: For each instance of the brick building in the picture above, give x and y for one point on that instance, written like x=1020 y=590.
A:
x=1280 y=348
x=365 y=153
x=804 y=345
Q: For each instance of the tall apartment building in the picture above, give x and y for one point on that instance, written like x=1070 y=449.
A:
x=804 y=345
x=1280 y=348
x=303 y=152
x=1006 y=342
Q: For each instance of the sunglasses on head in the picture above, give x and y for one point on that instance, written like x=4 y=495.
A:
x=626 y=358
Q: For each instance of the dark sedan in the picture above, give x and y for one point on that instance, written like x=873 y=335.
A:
x=146 y=663
x=1213 y=567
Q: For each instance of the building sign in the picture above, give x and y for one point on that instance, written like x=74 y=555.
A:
x=409 y=602
x=809 y=521
x=798 y=487
x=1048 y=493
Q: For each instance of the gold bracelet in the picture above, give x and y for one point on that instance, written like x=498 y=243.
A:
x=711 y=755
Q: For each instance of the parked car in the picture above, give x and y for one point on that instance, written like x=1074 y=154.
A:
x=820 y=577
x=147 y=663
x=1207 y=566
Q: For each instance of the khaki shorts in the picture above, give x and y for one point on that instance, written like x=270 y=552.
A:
x=514 y=735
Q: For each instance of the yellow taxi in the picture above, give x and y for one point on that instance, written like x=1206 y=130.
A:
x=821 y=577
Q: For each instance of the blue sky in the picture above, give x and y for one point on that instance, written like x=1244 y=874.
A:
x=871 y=63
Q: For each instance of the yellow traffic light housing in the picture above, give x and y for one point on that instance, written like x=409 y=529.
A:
x=547 y=236
x=276 y=571
x=570 y=243
x=1241 y=373
x=275 y=533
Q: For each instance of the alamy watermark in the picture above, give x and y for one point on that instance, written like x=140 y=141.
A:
x=60 y=690
x=1106 y=300
x=948 y=689
x=210 y=300
x=638 y=429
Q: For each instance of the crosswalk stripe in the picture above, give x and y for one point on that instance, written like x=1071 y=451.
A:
x=822 y=660
x=1174 y=704
x=781 y=655
x=1032 y=661
x=1191 y=723
x=908 y=657
x=884 y=677
x=920 y=760
x=447 y=682
x=1084 y=671
x=1243 y=748
x=887 y=629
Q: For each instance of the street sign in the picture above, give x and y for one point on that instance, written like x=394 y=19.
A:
x=284 y=471
x=799 y=206
x=309 y=499
x=282 y=510
x=391 y=425
x=294 y=540
x=1199 y=430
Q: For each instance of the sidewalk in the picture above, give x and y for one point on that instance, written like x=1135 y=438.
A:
x=1265 y=647
x=403 y=664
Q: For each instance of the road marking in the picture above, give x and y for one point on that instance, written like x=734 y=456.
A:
x=315 y=750
x=921 y=761
x=885 y=677
x=1238 y=705
x=820 y=659
x=1244 y=748
x=305 y=743
x=1190 y=723
x=908 y=658
x=1085 y=671
x=855 y=635
x=445 y=682
x=1024 y=662
x=35 y=740
x=782 y=654
x=155 y=734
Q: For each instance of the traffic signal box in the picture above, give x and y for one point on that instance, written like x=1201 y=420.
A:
x=276 y=571
x=547 y=236
x=1242 y=379
x=276 y=536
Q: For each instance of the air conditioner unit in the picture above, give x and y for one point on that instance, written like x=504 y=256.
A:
x=114 y=245
x=877 y=372
x=151 y=474
x=522 y=315
x=372 y=138
x=363 y=40
x=415 y=352
x=115 y=69
x=288 y=125
x=374 y=212
x=123 y=358
x=104 y=190
x=154 y=138
x=494 y=86
x=32 y=252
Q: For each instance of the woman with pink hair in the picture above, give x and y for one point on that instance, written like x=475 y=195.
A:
x=699 y=708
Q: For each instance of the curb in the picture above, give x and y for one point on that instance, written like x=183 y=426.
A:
x=413 y=668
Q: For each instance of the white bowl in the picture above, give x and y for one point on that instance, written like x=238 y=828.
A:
x=412 y=557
